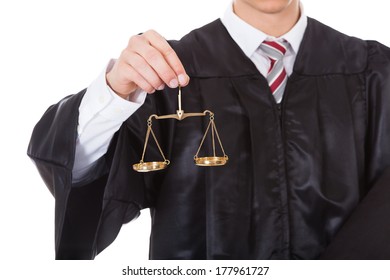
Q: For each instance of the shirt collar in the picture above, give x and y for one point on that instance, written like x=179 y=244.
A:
x=248 y=38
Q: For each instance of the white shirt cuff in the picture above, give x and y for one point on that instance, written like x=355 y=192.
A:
x=101 y=99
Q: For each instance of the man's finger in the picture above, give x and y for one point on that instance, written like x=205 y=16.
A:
x=159 y=64
x=147 y=71
x=170 y=56
x=129 y=73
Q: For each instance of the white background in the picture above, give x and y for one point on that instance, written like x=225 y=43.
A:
x=49 y=49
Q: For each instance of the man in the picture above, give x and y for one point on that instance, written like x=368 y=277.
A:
x=302 y=113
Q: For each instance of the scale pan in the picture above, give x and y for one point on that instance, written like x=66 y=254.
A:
x=150 y=166
x=211 y=161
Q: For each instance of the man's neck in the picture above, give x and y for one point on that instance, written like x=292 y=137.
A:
x=272 y=23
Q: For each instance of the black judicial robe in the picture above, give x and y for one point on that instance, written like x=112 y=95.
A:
x=301 y=176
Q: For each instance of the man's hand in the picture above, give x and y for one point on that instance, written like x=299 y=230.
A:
x=148 y=63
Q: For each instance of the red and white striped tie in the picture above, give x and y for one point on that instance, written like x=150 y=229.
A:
x=277 y=76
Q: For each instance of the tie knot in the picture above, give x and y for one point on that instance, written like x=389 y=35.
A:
x=273 y=49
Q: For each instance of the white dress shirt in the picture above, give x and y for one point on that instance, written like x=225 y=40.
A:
x=248 y=38
x=102 y=112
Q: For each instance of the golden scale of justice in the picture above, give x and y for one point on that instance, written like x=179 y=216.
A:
x=213 y=160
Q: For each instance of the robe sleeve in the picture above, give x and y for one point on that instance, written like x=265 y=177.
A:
x=366 y=234
x=78 y=210
x=89 y=217
x=51 y=148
